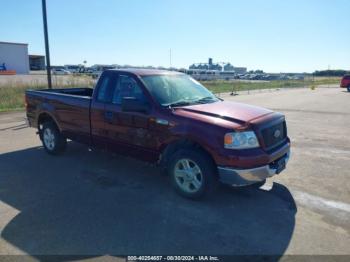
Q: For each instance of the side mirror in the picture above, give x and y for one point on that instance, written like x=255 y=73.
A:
x=132 y=104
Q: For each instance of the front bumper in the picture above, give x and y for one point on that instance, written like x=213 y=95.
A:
x=243 y=177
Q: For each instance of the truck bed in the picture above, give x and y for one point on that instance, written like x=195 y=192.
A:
x=85 y=92
x=69 y=107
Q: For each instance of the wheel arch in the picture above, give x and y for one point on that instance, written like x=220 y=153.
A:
x=182 y=143
x=43 y=118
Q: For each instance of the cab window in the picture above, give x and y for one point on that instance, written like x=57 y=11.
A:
x=106 y=88
x=126 y=86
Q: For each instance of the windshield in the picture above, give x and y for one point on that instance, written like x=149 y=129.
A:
x=172 y=90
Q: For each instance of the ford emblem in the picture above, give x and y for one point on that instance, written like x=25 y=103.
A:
x=277 y=133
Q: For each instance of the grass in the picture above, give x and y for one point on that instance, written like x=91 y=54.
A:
x=229 y=86
x=12 y=90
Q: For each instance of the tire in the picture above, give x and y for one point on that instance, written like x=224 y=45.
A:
x=193 y=173
x=53 y=141
x=348 y=88
x=258 y=184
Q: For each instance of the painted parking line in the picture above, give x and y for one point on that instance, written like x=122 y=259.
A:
x=319 y=202
x=312 y=201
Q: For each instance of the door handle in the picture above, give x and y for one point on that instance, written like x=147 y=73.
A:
x=108 y=115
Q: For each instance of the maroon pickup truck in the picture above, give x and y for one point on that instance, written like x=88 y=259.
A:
x=167 y=118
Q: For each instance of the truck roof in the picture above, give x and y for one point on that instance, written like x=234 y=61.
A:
x=145 y=72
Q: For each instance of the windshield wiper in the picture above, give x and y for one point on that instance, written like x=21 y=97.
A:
x=205 y=100
x=179 y=103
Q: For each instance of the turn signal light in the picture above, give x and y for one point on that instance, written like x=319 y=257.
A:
x=228 y=140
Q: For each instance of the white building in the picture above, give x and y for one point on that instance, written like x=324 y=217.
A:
x=15 y=56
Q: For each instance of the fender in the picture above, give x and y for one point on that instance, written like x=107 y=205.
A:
x=182 y=141
x=48 y=111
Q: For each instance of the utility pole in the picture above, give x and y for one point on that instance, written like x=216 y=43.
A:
x=48 y=66
x=329 y=73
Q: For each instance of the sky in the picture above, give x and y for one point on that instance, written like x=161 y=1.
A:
x=272 y=35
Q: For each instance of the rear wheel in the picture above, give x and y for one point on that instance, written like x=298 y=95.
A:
x=348 y=88
x=193 y=173
x=53 y=141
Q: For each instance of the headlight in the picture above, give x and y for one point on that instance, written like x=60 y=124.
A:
x=241 y=140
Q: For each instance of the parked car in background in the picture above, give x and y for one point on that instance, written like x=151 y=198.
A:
x=60 y=71
x=72 y=68
x=88 y=70
x=345 y=82
x=170 y=119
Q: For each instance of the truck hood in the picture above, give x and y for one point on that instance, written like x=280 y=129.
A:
x=238 y=113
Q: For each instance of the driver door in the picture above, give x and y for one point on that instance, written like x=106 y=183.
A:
x=129 y=132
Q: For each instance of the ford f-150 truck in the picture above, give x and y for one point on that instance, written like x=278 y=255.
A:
x=166 y=118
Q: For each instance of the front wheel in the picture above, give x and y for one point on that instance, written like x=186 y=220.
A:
x=193 y=173
x=53 y=141
x=348 y=88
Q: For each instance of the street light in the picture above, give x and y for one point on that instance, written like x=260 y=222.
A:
x=48 y=66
